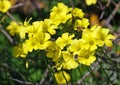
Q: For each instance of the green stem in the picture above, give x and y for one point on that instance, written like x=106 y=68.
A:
x=92 y=74
x=50 y=69
x=105 y=72
x=109 y=58
x=81 y=75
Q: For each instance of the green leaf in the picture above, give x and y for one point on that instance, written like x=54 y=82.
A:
x=36 y=75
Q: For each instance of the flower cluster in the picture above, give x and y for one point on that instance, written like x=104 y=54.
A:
x=4 y=6
x=66 y=37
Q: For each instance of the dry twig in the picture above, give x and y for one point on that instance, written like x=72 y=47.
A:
x=12 y=17
x=17 y=5
x=6 y=34
x=112 y=14
x=21 y=82
x=110 y=17
x=45 y=75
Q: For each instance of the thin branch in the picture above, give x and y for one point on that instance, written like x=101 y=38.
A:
x=102 y=14
x=113 y=2
x=45 y=75
x=6 y=34
x=21 y=82
x=103 y=7
x=12 y=70
x=16 y=6
x=87 y=74
x=110 y=17
x=110 y=27
x=12 y=17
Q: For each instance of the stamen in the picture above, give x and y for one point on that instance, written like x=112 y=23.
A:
x=75 y=56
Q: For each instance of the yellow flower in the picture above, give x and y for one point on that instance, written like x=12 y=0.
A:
x=69 y=61
x=87 y=61
x=19 y=51
x=48 y=26
x=86 y=57
x=41 y=40
x=81 y=52
x=17 y=28
x=38 y=41
x=4 y=5
x=64 y=40
x=53 y=51
x=59 y=14
x=80 y=24
x=61 y=8
x=75 y=46
x=90 y=2
x=41 y=26
x=13 y=28
x=29 y=45
x=76 y=12
x=62 y=77
x=26 y=22
x=34 y=28
x=89 y=40
x=102 y=36
x=65 y=61
x=60 y=18
x=22 y=31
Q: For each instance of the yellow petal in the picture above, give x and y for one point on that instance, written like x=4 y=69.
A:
x=108 y=43
x=5 y=6
x=90 y=2
x=62 y=77
x=87 y=61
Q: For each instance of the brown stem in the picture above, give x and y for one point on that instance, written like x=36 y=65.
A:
x=16 y=6
x=45 y=75
x=12 y=17
x=21 y=82
x=110 y=17
x=6 y=34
